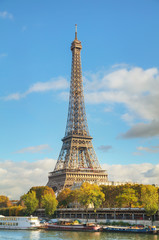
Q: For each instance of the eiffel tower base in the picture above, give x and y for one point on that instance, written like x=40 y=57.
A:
x=66 y=178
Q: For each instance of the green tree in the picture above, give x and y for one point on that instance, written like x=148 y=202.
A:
x=149 y=197
x=90 y=194
x=97 y=197
x=127 y=198
x=40 y=192
x=4 y=201
x=64 y=198
x=50 y=203
x=110 y=192
x=30 y=201
x=16 y=210
x=73 y=197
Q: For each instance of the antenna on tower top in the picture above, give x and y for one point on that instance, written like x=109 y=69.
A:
x=75 y=31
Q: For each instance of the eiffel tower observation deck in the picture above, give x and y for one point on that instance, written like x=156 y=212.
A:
x=77 y=161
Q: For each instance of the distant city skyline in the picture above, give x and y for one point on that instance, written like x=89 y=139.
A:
x=121 y=78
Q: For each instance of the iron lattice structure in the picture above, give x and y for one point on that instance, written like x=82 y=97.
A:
x=77 y=153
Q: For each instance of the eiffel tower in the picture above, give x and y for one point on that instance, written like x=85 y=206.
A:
x=77 y=161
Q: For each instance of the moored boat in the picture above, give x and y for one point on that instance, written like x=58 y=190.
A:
x=19 y=222
x=150 y=230
x=73 y=226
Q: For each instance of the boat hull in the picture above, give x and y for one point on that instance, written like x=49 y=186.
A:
x=18 y=228
x=130 y=230
x=73 y=228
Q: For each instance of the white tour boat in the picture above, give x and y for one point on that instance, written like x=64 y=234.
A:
x=19 y=222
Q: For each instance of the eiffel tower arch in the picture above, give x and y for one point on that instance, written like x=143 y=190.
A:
x=77 y=161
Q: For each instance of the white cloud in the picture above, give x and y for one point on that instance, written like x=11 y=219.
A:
x=145 y=130
x=54 y=84
x=136 y=89
x=64 y=96
x=137 y=153
x=128 y=118
x=144 y=173
x=16 y=178
x=121 y=65
x=2 y=55
x=105 y=148
x=2 y=171
x=14 y=96
x=35 y=149
x=6 y=15
x=108 y=109
x=24 y=28
x=152 y=149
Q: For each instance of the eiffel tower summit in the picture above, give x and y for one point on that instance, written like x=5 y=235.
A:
x=77 y=161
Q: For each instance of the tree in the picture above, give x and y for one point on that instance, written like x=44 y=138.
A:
x=4 y=201
x=149 y=197
x=110 y=192
x=73 y=197
x=127 y=197
x=30 y=201
x=97 y=197
x=40 y=192
x=64 y=197
x=16 y=210
x=50 y=203
x=90 y=194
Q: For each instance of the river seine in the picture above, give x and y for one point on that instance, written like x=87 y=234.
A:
x=53 y=235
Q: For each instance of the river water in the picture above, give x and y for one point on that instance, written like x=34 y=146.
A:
x=57 y=235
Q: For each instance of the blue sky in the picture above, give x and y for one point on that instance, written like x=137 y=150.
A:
x=121 y=79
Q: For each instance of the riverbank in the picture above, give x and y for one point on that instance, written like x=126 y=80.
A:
x=104 y=215
x=116 y=222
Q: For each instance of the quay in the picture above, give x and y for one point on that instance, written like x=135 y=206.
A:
x=105 y=215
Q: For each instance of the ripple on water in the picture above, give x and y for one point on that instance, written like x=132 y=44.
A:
x=58 y=235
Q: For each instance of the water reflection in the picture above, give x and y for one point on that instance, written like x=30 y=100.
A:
x=81 y=235
x=64 y=235
x=57 y=235
x=127 y=236
x=34 y=235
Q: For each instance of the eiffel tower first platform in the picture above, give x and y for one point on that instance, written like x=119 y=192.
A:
x=77 y=160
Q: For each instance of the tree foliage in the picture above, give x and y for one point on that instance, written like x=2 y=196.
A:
x=73 y=197
x=40 y=192
x=30 y=202
x=127 y=198
x=112 y=192
x=16 y=210
x=90 y=194
x=13 y=211
x=64 y=198
x=4 y=201
x=149 y=198
x=50 y=203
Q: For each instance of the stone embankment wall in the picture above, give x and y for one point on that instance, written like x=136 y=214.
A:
x=105 y=215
